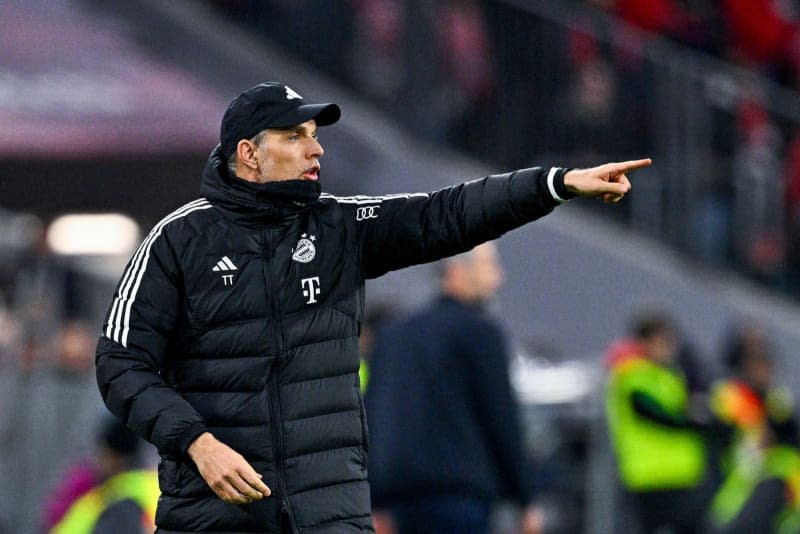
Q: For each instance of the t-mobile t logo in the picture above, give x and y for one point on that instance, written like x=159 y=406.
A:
x=310 y=288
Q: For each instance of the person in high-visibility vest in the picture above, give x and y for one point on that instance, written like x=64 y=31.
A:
x=125 y=501
x=758 y=437
x=660 y=452
x=108 y=492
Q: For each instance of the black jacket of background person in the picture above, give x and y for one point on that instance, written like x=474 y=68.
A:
x=442 y=416
x=225 y=321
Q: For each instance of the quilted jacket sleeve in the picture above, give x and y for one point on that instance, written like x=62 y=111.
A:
x=132 y=349
x=396 y=231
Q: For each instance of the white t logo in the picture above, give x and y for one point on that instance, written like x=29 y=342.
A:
x=310 y=289
x=291 y=93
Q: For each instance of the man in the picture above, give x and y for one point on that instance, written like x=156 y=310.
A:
x=757 y=439
x=123 y=499
x=444 y=426
x=232 y=340
x=50 y=410
x=660 y=451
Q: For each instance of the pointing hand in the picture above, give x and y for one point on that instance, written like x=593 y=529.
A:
x=607 y=181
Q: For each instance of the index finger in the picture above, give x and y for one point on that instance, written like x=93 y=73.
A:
x=625 y=166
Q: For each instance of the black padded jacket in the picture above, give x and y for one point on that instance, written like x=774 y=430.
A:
x=239 y=314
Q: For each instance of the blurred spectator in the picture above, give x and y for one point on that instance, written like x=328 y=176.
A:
x=757 y=436
x=691 y=23
x=444 y=425
x=108 y=494
x=587 y=107
x=467 y=67
x=695 y=370
x=375 y=318
x=758 y=194
x=10 y=339
x=378 y=66
x=50 y=413
x=429 y=62
x=530 y=70
x=44 y=289
x=660 y=453
x=764 y=35
x=10 y=351
x=665 y=17
x=116 y=449
x=791 y=174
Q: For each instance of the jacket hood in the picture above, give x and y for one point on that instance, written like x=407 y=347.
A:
x=252 y=203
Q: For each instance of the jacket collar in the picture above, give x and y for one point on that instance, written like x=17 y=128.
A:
x=254 y=204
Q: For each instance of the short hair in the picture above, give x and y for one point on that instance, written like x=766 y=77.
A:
x=118 y=438
x=651 y=323
x=256 y=140
x=740 y=337
x=442 y=265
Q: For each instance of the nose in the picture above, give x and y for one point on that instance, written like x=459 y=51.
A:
x=315 y=149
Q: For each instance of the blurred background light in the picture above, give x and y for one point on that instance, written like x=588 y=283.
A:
x=93 y=234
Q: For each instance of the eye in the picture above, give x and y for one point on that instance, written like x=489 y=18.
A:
x=294 y=137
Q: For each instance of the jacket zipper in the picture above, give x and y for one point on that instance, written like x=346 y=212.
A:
x=274 y=390
x=277 y=445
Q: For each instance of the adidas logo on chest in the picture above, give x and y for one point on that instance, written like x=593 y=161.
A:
x=226 y=266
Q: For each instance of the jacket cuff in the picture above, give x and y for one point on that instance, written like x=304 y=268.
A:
x=555 y=184
x=189 y=435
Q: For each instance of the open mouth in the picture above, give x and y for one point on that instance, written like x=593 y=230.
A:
x=312 y=173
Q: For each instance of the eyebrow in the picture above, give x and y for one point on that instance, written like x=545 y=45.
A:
x=298 y=129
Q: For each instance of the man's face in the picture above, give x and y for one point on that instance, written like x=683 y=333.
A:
x=662 y=346
x=289 y=154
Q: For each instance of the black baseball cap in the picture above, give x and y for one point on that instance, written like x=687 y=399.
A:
x=269 y=105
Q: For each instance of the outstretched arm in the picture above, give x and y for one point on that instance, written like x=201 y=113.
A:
x=396 y=231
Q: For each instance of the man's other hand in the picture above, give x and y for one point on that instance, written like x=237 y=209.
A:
x=226 y=471
x=607 y=181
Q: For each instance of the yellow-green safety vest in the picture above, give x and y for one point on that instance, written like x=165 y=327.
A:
x=139 y=485
x=652 y=456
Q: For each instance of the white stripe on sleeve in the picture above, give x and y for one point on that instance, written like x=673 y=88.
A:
x=119 y=317
x=364 y=199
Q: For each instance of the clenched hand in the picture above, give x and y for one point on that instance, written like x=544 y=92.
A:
x=607 y=181
x=226 y=471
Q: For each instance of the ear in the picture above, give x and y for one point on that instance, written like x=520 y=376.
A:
x=246 y=154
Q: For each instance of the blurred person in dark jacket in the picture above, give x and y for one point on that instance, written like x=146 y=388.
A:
x=376 y=317
x=445 y=434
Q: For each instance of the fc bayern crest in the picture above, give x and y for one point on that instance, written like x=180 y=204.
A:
x=305 y=251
